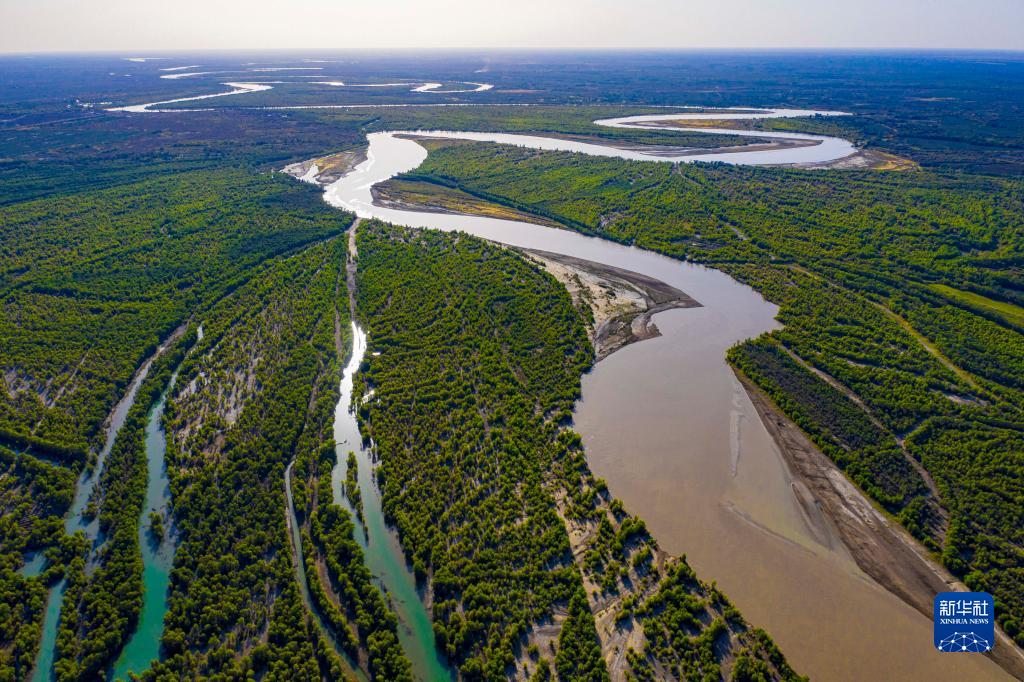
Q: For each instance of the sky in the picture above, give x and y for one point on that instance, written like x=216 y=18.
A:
x=132 y=25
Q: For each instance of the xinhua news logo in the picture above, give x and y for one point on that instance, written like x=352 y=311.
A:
x=964 y=622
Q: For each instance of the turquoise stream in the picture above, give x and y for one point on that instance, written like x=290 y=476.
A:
x=157 y=553
x=383 y=553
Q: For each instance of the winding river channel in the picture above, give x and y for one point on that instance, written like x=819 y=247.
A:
x=157 y=552
x=381 y=549
x=668 y=426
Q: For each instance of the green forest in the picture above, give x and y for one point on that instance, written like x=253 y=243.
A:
x=234 y=420
x=480 y=473
x=92 y=283
x=467 y=401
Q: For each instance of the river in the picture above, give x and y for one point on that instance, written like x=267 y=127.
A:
x=382 y=551
x=667 y=425
x=157 y=553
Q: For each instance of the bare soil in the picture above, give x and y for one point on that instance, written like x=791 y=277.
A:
x=622 y=302
x=329 y=168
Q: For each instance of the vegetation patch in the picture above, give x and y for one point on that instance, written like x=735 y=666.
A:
x=91 y=284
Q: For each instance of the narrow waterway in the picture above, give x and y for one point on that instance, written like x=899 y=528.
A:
x=300 y=575
x=157 y=552
x=77 y=520
x=668 y=426
x=382 y=551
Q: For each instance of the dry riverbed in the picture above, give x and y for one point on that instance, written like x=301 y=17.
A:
x=326 y=169
x=621 y=302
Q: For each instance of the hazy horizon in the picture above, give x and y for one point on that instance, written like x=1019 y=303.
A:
x=150 y=54
x=195 y=25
